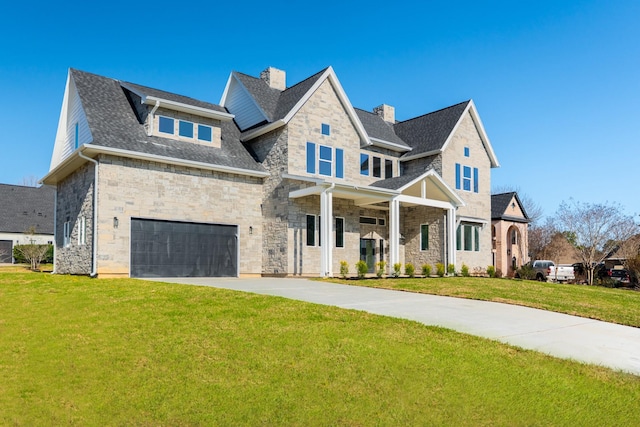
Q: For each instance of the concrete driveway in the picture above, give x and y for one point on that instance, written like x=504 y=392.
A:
x=559 y=335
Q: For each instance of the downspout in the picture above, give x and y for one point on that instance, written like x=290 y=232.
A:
x=94 y=234
x=55 y=228
x=153 y=112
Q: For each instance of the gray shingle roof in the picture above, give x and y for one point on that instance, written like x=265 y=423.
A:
x=397 y=182
x=148 y=91
x=114 y=124
x=376 y=127
x=276 y=103
x=24 y=207
x=429 y=132
x=500 y=203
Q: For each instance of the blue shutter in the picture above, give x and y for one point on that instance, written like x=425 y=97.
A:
x=457 y=176
x=311 y=157
x=77 y=138
x=475 y=180
x=339 y=163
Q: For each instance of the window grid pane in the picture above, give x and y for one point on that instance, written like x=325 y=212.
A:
x=204 y=133
x=468 y=239
x=185 y=129
x=388 y=168
x=165 y=125
x=364 y=164
x=311 y=230
x=377 y=167
x=339 y=232
x=424 y=237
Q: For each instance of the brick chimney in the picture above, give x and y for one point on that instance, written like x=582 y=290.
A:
x=387 y=112
x=276 y=79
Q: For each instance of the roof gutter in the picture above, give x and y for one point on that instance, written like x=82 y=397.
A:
x=390 y=145
x=153 y=112
x=94 y=234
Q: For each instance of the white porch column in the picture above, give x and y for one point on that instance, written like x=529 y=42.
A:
x=326 y=241
x=451 y=236
x=394 y=231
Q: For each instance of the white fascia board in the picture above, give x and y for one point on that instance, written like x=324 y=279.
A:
x=472 y=220
x=471 y=109
x=61 y=132
x=483 y=134
x=421 y=155
x=262 y=130
x=331 y=75
x=189 y=109
x=96 y=149
x=390 y=145
x=425 y=202
x=223 y=99
x=437 y=180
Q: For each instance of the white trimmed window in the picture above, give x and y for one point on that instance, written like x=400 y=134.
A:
x=339 y=232
x=82 y=231
x=468 y=237
x=325 y=160
x=66 y=234
x=424 y=237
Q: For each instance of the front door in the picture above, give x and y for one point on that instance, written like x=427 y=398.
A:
x=368 y=253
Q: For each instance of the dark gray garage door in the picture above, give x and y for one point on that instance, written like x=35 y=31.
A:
x=6 y=251
x=183 y=249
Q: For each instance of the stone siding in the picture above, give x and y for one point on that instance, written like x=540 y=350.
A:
x=411 y=220
x=74 y=201
x=477 y=205
x=141 y=189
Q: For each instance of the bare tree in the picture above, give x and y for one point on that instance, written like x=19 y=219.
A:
x=29 y=181
x=533 y=209
x=540 y=236
x=597 y=228
x=629 y=253
x=4 y=254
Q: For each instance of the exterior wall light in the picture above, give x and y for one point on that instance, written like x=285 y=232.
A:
x=115 y=222
x=250 y=230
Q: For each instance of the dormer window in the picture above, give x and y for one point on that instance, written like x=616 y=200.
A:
x=185 y=129
x=204 y=133
x=166 y=125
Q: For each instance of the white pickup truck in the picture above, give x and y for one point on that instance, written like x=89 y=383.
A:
x=546 y=271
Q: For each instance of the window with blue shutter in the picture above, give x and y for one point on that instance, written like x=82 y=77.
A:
x=339 y=163
x=475 y=180
x=466 y=178
x=326 y=160
x=311 y=157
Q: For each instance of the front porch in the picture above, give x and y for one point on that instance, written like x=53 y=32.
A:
x=415 y=223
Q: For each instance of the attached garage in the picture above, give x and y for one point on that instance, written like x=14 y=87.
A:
x=183 y=249
x=6 y=251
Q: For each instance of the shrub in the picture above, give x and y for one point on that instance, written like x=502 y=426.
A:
x=464 y=271
x=409 y=269
x=440 y=269
x=396 y=269
x=498 y=273
x=451 y=270
x=362 y=268
x=491 y=271
x=526 y=272
x=344 y=269
x=382 y=265
x=426 y=270
x=33 y=255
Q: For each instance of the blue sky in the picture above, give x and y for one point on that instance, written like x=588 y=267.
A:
x=556 y=83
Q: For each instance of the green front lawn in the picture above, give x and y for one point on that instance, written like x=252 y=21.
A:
x=82 y=351
x=617 y=305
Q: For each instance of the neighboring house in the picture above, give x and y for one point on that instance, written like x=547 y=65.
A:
x=26 y=216
x=509 y=225
x=275 y=180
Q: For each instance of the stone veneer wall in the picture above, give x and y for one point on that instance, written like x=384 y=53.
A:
x=272 y=151
x=75 y=200
x=411 y=219
x=141 y=189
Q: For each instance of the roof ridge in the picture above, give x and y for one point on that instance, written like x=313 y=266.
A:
x=436 y=111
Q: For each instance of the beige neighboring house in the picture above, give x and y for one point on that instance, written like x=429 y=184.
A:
x=25 y=209
x=275 y=180
x=509 y=224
